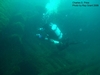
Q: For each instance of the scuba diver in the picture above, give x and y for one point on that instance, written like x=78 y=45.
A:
x=50 y=32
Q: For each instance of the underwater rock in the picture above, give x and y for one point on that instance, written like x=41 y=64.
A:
x=17 y=17
x=17 y=28
x=12 y=33
x=3 y=21
x=4 y=14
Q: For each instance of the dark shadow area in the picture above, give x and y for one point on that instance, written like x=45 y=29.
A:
x=26 y=68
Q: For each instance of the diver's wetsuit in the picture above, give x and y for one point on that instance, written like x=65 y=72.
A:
x=48 y=34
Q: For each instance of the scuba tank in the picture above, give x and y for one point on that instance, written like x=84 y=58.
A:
x=56 y=30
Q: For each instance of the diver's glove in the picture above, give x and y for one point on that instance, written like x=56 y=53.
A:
x=39 y=35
